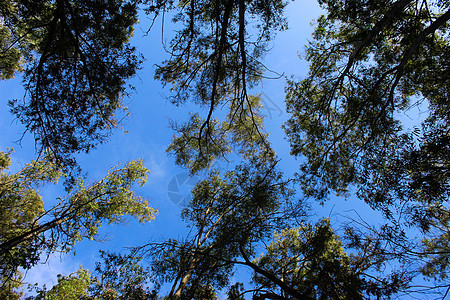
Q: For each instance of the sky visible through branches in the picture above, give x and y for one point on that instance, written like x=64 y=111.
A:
x=146 y=133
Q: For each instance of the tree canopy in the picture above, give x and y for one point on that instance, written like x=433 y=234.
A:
x=30 y=228
x=311 y=260
x=228 y=215
x=370 y=64
x=76 y=58
x=215 y=60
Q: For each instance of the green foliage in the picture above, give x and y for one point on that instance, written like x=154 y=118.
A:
x=370 y=61
x=228 y=214
x=242 y=132
x=27 y=229
x=188 y=145
x=77 y=58
x=202 y=292
x=72 y=287
x=116 y=277
x=21 y=208
x=214 y=55
x=435 y=249
x=121 y=277
x=312 y=260
x=10 y=284
x=215 y=61
x=9 y=57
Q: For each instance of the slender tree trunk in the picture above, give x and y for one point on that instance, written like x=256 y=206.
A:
x=185 y=279
x=9 y=244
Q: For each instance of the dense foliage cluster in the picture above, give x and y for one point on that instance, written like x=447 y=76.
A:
x=76 y=58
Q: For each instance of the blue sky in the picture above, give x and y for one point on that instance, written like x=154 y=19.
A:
x=149 y=134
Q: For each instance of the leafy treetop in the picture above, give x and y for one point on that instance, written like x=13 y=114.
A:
x=76 y=59
x=371 y=62
x=28 y=228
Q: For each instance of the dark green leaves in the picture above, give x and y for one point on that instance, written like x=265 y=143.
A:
x=370 y=62
x=79 y=60
x=359 y=120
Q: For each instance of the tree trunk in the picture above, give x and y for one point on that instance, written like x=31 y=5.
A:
x=9 y=244
x=185 y=279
